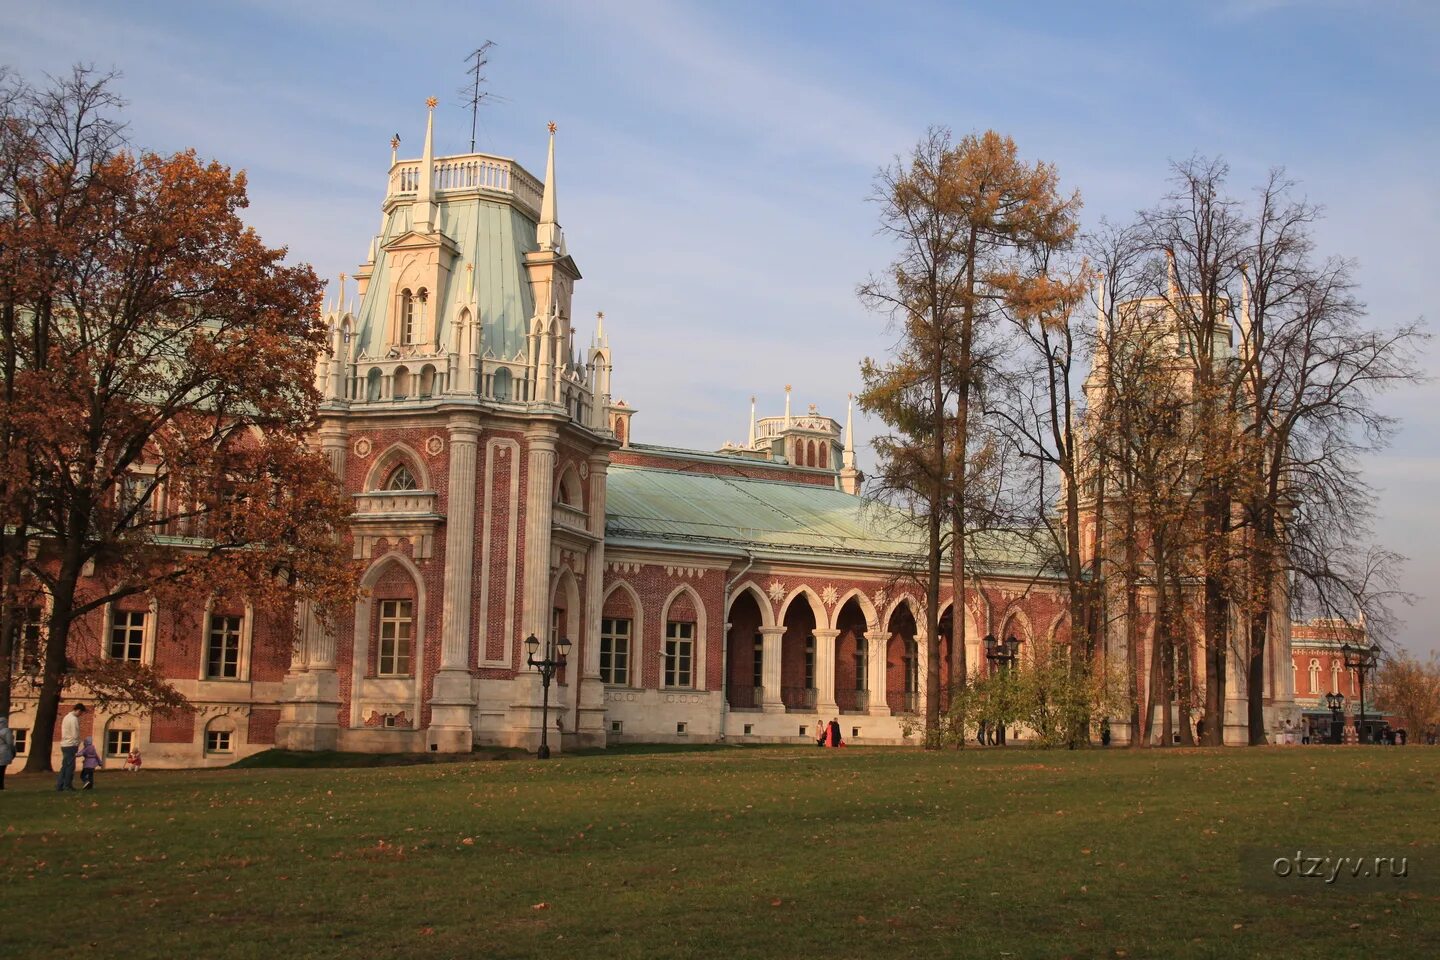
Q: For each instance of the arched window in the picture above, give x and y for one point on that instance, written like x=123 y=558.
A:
x=1334 y=676
x=567 y=491
x=427 y=380
x=401 y=479
x=422 y=298
x=825 y=455
x=1314 y=675
x=502 y=384
x=372 y=384
x=407 y=316
x=401 y=388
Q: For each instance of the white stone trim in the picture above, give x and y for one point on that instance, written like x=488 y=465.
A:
x=494 y=448
x=360 y=639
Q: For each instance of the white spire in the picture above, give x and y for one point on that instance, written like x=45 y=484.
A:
x=600 y=327
x=752 y=422
x=1245 y=345
x=424 y=215
x=787 y=406
x=1174 y=285
x=548 y=233
x=850 y=433
x=1100 y=305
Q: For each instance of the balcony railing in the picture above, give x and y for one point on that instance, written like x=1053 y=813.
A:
x=852 y=701
x=903 y=701
x=744 y=698
x=395 y=503
x=469 y=172
x=798 y=698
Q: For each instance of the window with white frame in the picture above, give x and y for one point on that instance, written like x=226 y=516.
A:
x=1334 y=676
x=397 y=637
x=22 y=741
x=127 y=635
x=1314 y=675
x=615 y=651
x=119 y=741
x=679 y=654
x=222 y=647
x=407 y=317
x=219 y=741
x=402 y=479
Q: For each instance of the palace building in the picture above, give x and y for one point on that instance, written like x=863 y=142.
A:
x=501 y=492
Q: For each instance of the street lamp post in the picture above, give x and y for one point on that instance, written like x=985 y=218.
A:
x=555 y=652
x=1003 y=656
x=1336 y=703
x=1361 y=660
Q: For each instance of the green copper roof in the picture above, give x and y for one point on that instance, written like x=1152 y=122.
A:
x=699 y=510
x=493 y=237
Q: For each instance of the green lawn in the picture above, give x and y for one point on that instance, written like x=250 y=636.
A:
x=757 y=852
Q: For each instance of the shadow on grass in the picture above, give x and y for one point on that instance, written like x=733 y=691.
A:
x=319 y=759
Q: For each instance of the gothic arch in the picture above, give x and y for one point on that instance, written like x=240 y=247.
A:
x=360 y=636
x=916 y=611
x=702 y=639
x=395 y=454
x=565 y=580
x=637 y=628
x=767 y=609
x=1007 y=625
x=866 y=607
x=568 y=489
x=817 y=606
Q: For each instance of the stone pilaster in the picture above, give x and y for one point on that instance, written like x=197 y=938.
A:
x=825 y=703
x=452 y=702
x=771 y=640
x=590 y=710
x=539 y=498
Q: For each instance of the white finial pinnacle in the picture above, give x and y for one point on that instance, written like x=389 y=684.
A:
x=600 y=327
x=850 y=433
x=1244 y=311
x=787 y=406
x=424 y=216
x=548 y=234
x=752 y=421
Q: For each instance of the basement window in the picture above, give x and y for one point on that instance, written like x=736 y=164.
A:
x=617 y=726
x=680 y=728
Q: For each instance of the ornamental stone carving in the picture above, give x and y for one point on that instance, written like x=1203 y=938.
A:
x=362 y=447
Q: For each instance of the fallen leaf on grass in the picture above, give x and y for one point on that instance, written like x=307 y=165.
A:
x=541 y=906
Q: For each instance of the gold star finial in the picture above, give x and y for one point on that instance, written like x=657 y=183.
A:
x=551 y=126
x=600 y=315
x=432 y=103
x=787 y=388
x=395 y=143
x=342 y=278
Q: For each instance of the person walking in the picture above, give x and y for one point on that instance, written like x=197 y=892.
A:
x=7 y=747
x=69 y=744
x=90 y=760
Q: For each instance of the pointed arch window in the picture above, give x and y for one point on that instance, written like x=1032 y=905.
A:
x=1314 y=675
x=401 y=478
x=407 y=316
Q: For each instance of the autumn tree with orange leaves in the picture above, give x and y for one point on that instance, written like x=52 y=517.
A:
x=156 y=393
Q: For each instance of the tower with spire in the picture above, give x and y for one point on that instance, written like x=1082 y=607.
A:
x=474 y=436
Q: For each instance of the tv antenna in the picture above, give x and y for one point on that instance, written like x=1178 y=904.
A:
x=477 y=59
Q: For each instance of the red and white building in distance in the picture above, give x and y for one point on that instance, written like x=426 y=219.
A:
x=746 y=592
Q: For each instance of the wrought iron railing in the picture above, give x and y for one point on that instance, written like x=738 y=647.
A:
x=798 y=698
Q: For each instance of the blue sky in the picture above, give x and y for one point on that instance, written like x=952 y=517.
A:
x=714 y=159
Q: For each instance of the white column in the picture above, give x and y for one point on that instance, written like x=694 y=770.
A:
x=922 y=674
x=771 y=641
x=453 y=699
x=825 y=672
x=876 y=670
